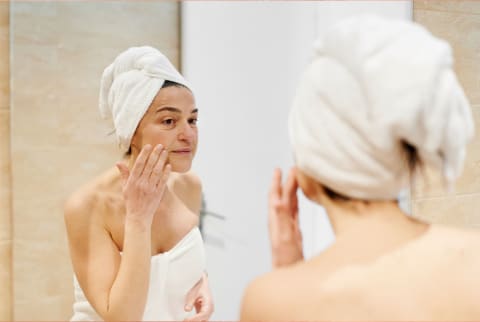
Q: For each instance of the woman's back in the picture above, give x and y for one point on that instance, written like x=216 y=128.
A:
x=431 y=277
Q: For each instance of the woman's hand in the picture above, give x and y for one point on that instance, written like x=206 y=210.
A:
x=283 y=224
x=200 y=298
x=144 y=186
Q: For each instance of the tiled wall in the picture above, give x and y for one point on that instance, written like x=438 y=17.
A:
x=58 y=141
x=5 y=170
x=458 y=22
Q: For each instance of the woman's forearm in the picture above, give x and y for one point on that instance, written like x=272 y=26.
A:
x=128 y=295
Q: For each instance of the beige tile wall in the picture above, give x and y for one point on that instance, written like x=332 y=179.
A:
x=6 y=312
x=458 y=22
x=59 y=50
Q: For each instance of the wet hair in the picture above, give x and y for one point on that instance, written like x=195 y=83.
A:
x=166 y=84
x=413 y=163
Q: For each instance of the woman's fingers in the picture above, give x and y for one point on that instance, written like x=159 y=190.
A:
x=275 y=191
x=142 y=158
x=163 y=181
x=124 y=172
x=152 y=161
x=158 y=170
x=290 y=192
x=291 y=184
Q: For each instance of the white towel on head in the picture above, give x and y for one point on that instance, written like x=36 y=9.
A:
x=129 y=85
x=374 y=84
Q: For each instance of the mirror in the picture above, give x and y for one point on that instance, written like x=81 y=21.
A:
x=244 y=60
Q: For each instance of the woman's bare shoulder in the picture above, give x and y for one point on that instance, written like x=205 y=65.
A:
x=186 y=181
x=89 y=199
x=277 y=294
x=449 y=240
x=258 y=298
x=188 y=187
x=457 y=246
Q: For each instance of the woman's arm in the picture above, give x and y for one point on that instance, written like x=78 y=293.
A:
x=117 y=286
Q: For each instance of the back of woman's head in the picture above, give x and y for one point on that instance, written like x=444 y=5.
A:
x=378 y=97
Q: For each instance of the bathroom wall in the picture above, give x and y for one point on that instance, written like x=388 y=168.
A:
x=6 y=312
x=458 y=22
x=58 y=141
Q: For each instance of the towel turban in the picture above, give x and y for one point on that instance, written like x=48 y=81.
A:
x=374 y=85
x=129 y=85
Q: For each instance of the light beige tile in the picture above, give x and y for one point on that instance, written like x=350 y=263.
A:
x=459 y=211
x=5 y=177
x=468 y=182
x=465 y=6
x=467 y=68
x=462 y=31
x=34 y=110
x=44 y=177
x=132 y=23
x=5 y=219
x=33 y=23
x=4 y=13
x=4 y=56
x=6 y=307
x=43 y=280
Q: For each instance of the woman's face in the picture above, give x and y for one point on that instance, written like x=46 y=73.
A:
x=171 y=120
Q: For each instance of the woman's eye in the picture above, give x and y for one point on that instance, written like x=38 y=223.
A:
x=193 y=121
x=168 y=122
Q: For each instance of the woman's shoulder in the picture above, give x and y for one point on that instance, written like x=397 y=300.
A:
x=457 y=246
x=186 y=181
x=277 y=294
x=452 y=240
x=90 y=198
x=187 y=187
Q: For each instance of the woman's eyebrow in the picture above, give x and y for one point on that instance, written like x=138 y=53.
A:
x=174 y=109
x=168 y=108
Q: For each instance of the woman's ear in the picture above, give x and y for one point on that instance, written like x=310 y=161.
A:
x=312 y=189
x=135 y=146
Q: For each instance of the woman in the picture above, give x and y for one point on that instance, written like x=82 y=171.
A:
x=135 y=247
x=378 y=102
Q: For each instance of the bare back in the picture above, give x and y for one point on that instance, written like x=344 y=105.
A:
x=433 y=277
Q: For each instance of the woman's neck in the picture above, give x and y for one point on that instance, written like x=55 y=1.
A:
x=372 y=217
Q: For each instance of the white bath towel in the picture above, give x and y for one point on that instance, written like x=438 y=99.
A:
x=129 y=85
x=172 y=275
x=374 y=84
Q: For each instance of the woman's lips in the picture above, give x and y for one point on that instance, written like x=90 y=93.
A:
x=182 y=151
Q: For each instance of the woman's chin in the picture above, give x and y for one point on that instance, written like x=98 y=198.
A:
x=181 y=168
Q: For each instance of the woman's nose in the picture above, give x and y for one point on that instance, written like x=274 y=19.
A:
x=186 y=132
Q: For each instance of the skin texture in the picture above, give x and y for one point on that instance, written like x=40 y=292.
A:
x=383 y=265
x=141 y=207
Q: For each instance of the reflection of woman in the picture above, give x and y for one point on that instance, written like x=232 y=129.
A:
x=135 y=246
x=378 y=101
